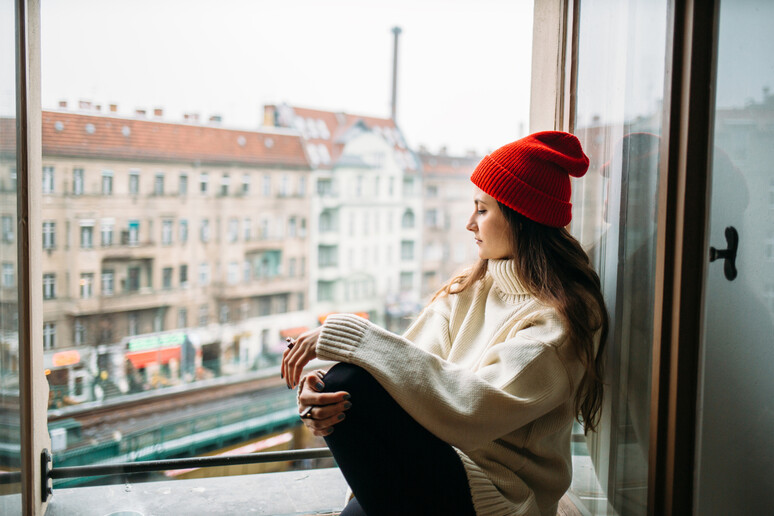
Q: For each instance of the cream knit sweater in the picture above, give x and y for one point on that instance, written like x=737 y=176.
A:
x=490 y=372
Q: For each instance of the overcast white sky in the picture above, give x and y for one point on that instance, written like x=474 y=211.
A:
x=463 y=78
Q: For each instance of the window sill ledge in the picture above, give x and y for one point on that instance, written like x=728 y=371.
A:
x=304 y=492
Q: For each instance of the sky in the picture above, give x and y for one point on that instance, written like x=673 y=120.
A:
x=463 y=74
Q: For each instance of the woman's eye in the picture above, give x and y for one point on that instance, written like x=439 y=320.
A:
x=480 y=212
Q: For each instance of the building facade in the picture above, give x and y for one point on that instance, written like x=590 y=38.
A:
x=152 y=228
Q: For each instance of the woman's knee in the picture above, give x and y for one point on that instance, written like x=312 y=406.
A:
x=350 y=378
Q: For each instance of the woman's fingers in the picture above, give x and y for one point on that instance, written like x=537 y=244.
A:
x=320 y=425
x=309 y=397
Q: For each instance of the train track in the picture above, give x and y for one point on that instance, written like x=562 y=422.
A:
x=151 y=404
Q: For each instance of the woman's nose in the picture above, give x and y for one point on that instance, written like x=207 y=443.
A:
x=471 y=226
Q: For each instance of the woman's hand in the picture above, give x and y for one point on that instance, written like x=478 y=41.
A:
x=299 y=353
x=320 y=410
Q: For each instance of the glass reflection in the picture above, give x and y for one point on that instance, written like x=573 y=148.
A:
x=618 y=112
x=9 y=337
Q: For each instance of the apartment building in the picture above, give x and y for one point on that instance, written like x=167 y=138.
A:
x=448 y=204
x=366 y=243
x=149 y=228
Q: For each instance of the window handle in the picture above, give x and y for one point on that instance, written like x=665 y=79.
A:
x=728 y=254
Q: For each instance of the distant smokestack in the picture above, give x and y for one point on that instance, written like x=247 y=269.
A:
x=62 y=104
x=396 y=32
x=158 y=112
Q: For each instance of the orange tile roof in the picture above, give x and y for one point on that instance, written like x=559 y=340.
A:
x=445 y=165
x=338 y=124
x=83 y=135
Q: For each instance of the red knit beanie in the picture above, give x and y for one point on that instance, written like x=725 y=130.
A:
x=532 y=175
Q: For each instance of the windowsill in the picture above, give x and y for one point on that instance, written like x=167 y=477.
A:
x=319 y=491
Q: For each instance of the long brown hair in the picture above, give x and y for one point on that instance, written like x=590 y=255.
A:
x=554 y=268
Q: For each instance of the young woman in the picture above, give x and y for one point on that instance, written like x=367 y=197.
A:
x=470 y=411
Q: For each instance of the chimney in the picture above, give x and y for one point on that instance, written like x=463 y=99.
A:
x=113 y=108
x=158 y=112
x=84 y=104
x=139 y=113
x=396 y=31
x=444 y=151
x=98 y=107
x=62 y=104
x=216 y=119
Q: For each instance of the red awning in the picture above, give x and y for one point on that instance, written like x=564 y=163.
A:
x=160 y=356
x=293 y=332
x=322 y=317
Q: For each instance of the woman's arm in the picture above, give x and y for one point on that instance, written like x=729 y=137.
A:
x=520 y=380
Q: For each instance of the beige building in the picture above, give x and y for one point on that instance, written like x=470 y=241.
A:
x=447 y=204
x=151 y=227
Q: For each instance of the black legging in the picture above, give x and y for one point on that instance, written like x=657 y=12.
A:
x=391 y=462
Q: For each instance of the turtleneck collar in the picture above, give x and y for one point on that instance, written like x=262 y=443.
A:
x=503 y=272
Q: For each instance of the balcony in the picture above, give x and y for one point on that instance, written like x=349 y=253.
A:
x=259 y=287
x=142 y=299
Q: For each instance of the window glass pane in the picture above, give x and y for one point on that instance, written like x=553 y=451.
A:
x=621 y=63
x=205 y=250
x=9 y=335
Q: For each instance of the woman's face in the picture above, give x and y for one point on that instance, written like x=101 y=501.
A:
x=489 y=227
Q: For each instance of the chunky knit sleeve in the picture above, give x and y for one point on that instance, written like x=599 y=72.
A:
x=521 y=379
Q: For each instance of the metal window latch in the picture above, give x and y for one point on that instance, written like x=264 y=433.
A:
x=45 y=474
x=728 y=254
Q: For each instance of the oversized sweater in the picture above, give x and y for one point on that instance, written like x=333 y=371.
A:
x=489 y=371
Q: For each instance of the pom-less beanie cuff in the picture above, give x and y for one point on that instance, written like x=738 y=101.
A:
x=531 y=175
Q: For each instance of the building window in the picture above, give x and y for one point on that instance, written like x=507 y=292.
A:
x=325 y=290
x=134 y=232
x=108 y=282
x=246 y=271
x=408 y=186
x=224 y=313
x=204 y=274
x=9 y=277
x=80 y=333
x=292 y=268
x=300 y=301
x=204 y=179
x=391 y=186
x=281 y=304
x=203 y=315
x=107 y=182
x=233 y=273
x=132 y=324
x=12 y=186
x=106 y=232
x=182 y=185
x=431 y=191
x=77 y=181
x=166 y=232
x=233 y=230
x=87 y=285
x=183 y=231
x=264 y=306
x=245 y=184
x=358 y=186
x=158 y=184
x=302 y=186
x=328 y=255
x=406 y=281
x=87 y=236
x=49 y=335
x=267 y=185
x=133 y=279
x=48 y=180
x=225 y=181
x=284 y=186
x=8 y=232
x=184 y=275
x=182 y=317
x=292 y=227
x=248 y=230
x=134 y=182
x=49 y=286
x=204 y=231
x=431 y=218
x=166 y=278
x=324 y=187
x=408 y=219
x=158 y=320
